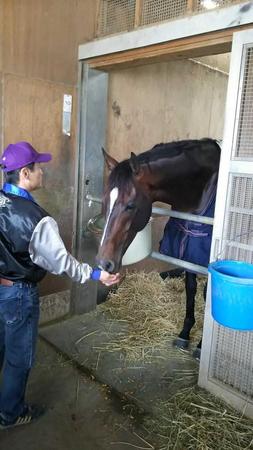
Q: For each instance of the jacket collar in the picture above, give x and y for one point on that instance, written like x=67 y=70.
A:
x=9 y=188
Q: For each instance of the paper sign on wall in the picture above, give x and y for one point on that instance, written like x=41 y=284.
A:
x=66 y=115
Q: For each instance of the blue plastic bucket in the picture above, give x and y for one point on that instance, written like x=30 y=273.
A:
x=232 y=294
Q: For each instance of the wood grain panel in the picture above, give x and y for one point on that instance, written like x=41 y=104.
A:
x=33 y=112
x=1 y=35
x=201 y=45
x=138 y=12
x=1 y=119
x=42 y=36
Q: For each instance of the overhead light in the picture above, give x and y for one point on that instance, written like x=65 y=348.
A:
x=210 y=4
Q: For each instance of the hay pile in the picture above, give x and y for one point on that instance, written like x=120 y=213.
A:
x=153 y=310
x=193 y=419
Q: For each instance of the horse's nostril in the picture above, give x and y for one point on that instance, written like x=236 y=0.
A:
x=109 y=266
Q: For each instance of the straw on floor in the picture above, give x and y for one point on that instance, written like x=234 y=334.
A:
x=191 y=418
x=153 y=311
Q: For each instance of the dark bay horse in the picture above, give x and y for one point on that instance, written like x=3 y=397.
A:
x=181 y=173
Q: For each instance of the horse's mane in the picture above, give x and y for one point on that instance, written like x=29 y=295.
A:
x=122 y=175
x=172 y=149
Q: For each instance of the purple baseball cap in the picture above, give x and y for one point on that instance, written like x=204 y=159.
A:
x=19 y=155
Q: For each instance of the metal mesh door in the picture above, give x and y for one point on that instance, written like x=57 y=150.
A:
x=231 y=360
x=162 y=10
x=244 y=147
x=230 y=364
x=238 y=229
x=115 y=16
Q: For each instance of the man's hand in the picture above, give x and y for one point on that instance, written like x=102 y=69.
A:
x=108 y=278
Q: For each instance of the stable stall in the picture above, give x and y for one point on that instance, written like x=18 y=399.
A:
x=160 y=83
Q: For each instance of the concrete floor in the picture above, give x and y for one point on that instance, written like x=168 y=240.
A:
x=81 y=413
x=84 y=339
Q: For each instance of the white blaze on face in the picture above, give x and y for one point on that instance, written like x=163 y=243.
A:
x=113 y=197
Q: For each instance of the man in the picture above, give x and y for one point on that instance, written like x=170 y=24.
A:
x=30 y=245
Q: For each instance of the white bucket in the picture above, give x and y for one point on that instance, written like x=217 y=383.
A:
x=139 y=249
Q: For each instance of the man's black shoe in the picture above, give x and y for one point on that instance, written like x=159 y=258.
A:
x=29 y=415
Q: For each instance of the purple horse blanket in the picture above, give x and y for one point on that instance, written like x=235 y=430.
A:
x=187 y=240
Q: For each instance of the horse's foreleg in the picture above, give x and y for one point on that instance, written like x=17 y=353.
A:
x=197 y=352
x=191 y=288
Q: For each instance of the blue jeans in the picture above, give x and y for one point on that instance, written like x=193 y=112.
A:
x=19 y=317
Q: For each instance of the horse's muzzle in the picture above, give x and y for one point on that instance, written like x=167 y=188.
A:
x=107 y=265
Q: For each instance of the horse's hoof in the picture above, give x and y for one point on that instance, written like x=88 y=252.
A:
x=183 y=344
x=196 y=353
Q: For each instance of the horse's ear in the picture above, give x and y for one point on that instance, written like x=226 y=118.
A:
x=134 y=164
x=109 y=160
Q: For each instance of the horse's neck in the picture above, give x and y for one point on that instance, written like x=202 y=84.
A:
x=157 y=183
x=161 y=195
x=169 y=186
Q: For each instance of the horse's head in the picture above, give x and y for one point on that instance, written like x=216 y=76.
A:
x=127 y=208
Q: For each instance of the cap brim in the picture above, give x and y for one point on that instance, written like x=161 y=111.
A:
x=44 y=157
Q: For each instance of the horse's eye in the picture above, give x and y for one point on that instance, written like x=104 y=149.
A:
x=130 y=206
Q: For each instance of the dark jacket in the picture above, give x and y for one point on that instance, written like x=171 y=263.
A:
x=18 y=219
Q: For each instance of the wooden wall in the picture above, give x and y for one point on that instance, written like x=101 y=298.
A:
x=38 y=66
x=1 y=34
x=42 y=36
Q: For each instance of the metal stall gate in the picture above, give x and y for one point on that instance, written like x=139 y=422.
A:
x=89 y=179
x=226 y=367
